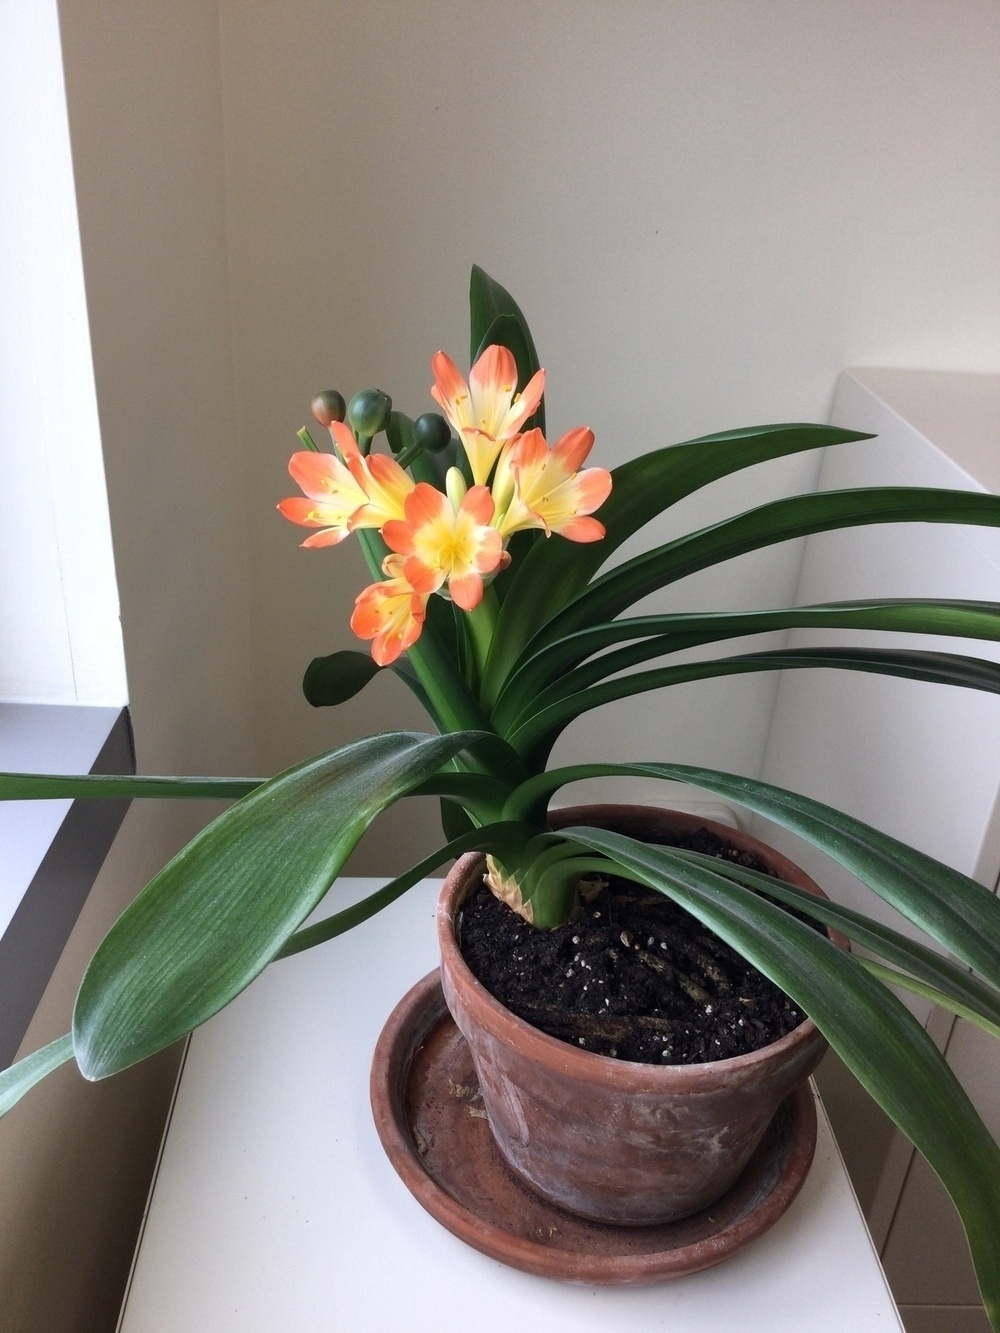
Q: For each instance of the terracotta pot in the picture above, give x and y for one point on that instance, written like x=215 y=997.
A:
x=610 y=1140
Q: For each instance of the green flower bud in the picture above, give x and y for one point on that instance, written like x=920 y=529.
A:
x=368 y=412
x=431 y=432
x=328 y=407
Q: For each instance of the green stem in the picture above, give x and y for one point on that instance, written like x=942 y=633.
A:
x=308 y=440
x=482 y=623
x=407 y=456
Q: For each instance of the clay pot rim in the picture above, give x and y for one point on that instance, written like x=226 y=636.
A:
x=588 y=1066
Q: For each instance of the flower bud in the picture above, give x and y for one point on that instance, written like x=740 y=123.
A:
x=431 y=432
x=329 y=406
x=368 y=412
x=455 y=486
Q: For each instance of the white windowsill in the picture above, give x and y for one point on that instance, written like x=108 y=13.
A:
x=50 y=851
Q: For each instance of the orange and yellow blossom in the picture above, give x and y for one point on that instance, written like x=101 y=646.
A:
x=391 y=613
x=487 y=411
x=447 y=539
x=331 y=497
x=382 y=481
x=539 y=487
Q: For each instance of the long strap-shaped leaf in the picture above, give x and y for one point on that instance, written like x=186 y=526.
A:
x=22 y=1077
x=501 y=839
x=213 y=918
x=40 y=787
x=675 y=632
x=953 y=909
x=555 y=571
x=767 y=525
x=942 y=999
x=959 y=990
x=536 y=733
x=872 y=1031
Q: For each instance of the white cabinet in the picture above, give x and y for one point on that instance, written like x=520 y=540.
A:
x=921 y=762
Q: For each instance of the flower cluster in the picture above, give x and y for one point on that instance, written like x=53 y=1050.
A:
x=450 y=542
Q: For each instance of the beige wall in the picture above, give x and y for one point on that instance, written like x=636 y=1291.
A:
x=706 y=207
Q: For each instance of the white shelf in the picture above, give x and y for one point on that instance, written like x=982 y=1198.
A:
x=274 y=1207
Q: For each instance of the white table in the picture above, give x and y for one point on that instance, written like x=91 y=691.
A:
x=275 y=1211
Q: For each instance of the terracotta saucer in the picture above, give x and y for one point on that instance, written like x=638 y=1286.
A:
x=429 y=1116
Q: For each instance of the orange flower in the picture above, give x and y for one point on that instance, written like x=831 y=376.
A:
x=539 y=487
x=383 y=482
x=332 y=497
x=448 y=540
x=390 y=613
x=488 y=411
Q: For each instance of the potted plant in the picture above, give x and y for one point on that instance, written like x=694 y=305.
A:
x=485 y=545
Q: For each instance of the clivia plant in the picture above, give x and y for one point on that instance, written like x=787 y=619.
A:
x=493 y=598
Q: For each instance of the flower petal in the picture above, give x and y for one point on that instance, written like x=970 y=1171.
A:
x=493 y=377
x=321 y=476
x=343 y=438
x=466 y=591
x=450 y=390
x=389 y=613
x=328 y=537
x=487 y=411
x=422 y=577
x=572 y=449
x=593 y=486
x=426 y=505
x=583 y=530
x=489 y=552
x=548 y=492
x=398 y=536
x=331 y=499
x=532 y=394
x=478 y=504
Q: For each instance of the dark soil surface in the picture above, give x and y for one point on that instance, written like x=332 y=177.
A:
x=635 y=977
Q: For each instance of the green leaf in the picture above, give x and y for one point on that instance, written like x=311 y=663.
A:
x=22 y=1077
x=780 y=521
x=875 y=1035
x=557 y=570
x=399 y=432
x=670 y=633
x=54 y=787
x=535 y=733
x=943 y=999
x=495 y=838
x=951 y=908
x=482 y=796
x=213 y=918
x=518 y=547
x=454 y=821
x=340 y=676
x=442 y=690
x=937 y=979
